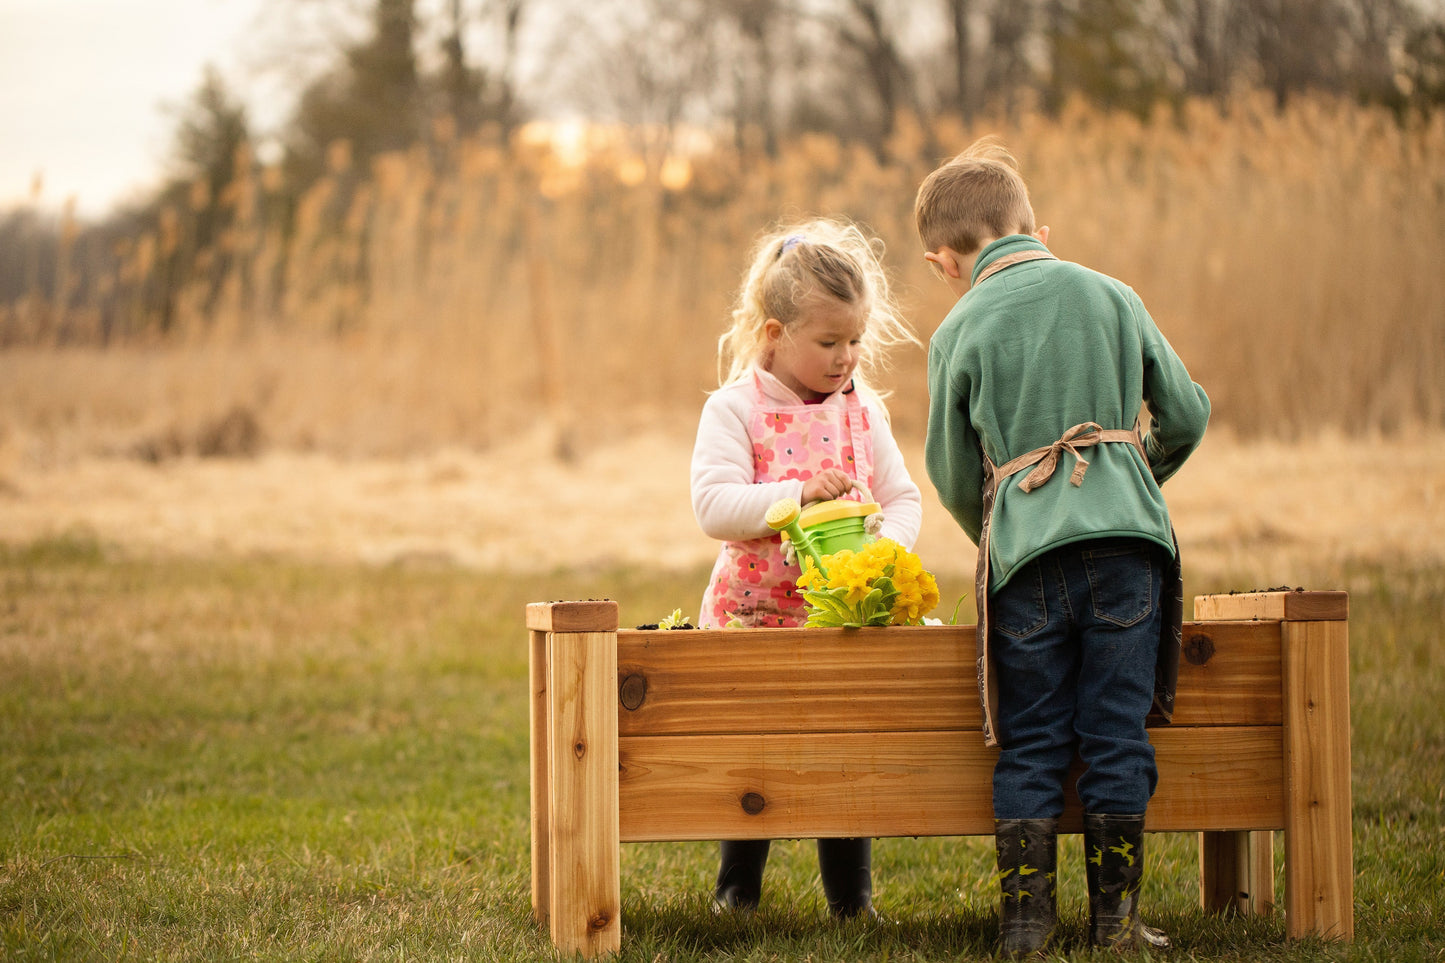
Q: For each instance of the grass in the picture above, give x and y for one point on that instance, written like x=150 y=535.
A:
x=269 y=760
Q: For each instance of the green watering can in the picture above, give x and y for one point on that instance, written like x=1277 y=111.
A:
x=823 y=527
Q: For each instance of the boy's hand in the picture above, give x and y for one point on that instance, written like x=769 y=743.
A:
x=827 y=484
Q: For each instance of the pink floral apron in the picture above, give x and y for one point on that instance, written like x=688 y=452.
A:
x=752 y=582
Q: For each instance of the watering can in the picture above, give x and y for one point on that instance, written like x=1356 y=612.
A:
x=823 y=527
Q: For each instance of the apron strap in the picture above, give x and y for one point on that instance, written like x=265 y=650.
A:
x=1044 y=460
x=1009 y=260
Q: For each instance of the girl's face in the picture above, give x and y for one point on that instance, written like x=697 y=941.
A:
x=816 y=355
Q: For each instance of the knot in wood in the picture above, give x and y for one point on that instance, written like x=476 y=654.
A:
x=579 y=748
x=633 y=692
x=753 y=803
x=1198 y=649
x=598 y=922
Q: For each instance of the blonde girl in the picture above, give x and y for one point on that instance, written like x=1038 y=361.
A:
x=795 y=417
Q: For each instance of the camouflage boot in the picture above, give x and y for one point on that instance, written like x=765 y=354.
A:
x=1114 y=867
x=1028 y=905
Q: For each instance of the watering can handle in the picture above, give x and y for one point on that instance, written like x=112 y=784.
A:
x=859 y=487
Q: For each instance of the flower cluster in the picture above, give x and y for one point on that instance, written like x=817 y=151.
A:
x=880 y=584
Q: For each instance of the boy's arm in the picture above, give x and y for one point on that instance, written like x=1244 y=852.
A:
x=952 y=453
x=1178 y=408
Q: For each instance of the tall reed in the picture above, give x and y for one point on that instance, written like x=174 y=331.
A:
x=454 y=291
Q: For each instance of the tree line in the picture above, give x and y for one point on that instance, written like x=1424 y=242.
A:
x=419 y=76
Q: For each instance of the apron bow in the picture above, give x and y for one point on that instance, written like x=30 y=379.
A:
x=1047 y=459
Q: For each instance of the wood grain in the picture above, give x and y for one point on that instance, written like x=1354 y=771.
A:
x=584 y=894
x=912 y=784
x=1293 y=606
x=913 y=678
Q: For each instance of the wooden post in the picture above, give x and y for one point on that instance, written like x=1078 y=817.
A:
x=1319 y=850
x=1236 y=872
x=537 y=661
x=583 y=898
x=1318 y=843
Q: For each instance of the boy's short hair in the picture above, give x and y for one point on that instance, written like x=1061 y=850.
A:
x=977 y=195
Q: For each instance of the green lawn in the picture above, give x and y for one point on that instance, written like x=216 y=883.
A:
x=253 y=760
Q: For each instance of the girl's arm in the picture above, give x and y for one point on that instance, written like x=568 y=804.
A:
x=728 y=504
x=893 y=487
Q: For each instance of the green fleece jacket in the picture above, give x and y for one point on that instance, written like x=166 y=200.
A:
x=1028 y=353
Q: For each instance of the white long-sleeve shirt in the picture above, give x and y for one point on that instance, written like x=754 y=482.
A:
x=731 y=507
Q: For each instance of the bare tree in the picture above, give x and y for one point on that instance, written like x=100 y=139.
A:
x=471 y=94
x=1298 y=45
x=755 y=74
x=1210 y=40
x=965 y=98
x=649 y=64
x=1012 y=26
x=865 y=29
x=1378 y=31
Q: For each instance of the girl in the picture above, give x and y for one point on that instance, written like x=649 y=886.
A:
x=794 y=419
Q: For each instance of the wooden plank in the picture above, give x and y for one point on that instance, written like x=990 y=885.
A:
x=1236 y=873
x=897 y=679
x=1292 y=606
x=540 y=785
x=584 y=885
x=596 y=615
x=1229 y=675
x=912 y=784
x=1319 y=848
x=785 y=680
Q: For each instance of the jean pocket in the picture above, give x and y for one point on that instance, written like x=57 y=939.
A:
x=1018 y=610
x=1121 y=584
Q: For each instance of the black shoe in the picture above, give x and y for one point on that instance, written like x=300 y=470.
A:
x=1114 y=867
x=740 y=875
x=732 y=900
x=846 y=868
x=1028 y=911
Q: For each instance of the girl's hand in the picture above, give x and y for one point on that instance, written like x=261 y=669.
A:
x=827 y=484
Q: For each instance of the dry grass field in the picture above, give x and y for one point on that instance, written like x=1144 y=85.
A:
x=445 y=296
x=494 y=355
x=1248 y=513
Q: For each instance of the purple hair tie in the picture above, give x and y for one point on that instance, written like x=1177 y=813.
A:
x=790 y=242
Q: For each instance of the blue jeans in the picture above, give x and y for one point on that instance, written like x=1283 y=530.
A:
x=1075 y=639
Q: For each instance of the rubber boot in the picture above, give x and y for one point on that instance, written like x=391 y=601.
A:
x=1028 y=911
x=740 y=874
x=846 y=867
x=1114 y=867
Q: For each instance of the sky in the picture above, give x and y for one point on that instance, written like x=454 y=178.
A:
x=84 y=86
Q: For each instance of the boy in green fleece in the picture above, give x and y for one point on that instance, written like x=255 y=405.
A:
x=1044 y=364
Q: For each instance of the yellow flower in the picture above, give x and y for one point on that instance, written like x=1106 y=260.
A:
x=908 y=591
x=811 y=578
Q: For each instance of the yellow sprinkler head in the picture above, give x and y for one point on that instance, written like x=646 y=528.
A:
x=783 y=513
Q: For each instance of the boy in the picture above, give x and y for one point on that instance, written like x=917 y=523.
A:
x=1043 y=364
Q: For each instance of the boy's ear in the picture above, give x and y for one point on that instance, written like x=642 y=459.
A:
x=1042 y=234
x=947 y=260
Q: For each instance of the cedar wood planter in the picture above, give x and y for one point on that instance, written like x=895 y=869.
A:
x=799 y=733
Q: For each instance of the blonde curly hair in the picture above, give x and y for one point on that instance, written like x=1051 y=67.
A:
x=828 y=257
